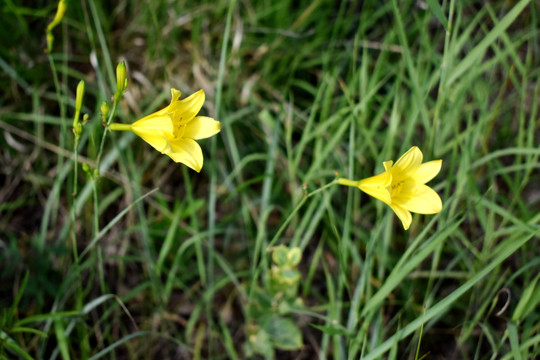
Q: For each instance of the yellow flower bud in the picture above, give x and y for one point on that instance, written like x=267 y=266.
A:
x=60 y=11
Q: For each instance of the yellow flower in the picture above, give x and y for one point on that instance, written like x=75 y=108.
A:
x=174 y=129
x=402 y=186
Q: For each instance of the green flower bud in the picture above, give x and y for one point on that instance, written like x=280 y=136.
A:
x=121 y=80
x=104 y=111
x=77 y=130
x=80 y=93
x=77 y=127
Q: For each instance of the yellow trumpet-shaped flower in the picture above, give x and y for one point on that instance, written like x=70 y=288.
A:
x=402 y=186
x=174 y=129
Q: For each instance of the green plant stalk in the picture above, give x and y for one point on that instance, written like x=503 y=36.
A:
x=63 y=131
x=104 y=135
x=442 y=86
x=98 y=162
x=256 y=272
x=212 y=200
x=74 y=197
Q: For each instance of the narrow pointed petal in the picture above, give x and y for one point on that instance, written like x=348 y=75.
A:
x=377 y=186
x=403 y=214
x=185 y=110
x=424 y=201
x=408 y=161
x=201 y=127
x=426 y=171
x=175 y=95
x=388 y=165
x=187 y=152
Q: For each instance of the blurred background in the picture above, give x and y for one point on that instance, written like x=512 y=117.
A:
x=135 y=256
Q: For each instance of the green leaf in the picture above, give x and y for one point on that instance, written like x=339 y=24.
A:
x=18 y=350
x=529 y=300
x=60 y=332
x=332 y=330
x=294 y=256
x=23 y=329
x=514 y=341
x=261 y=343
x=43 y=317
x=283 y=332
x=289 y=277
x=437 y=10
x=11 y=345
x=8 y=318
x=279 y=256
x=110 y=348
x=475 y=55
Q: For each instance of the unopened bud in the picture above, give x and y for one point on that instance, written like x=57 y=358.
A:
x=60 y=11
x=121 y=80
x=79 y=96
x=77 y=127
x=104 y=111
x=77 y=130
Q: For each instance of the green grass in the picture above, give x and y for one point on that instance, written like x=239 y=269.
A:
x=129 y=255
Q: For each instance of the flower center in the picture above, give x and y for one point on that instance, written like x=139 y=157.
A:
x=179 y=130
x=395 y=188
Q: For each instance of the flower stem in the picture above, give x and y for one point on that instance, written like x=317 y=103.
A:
x=119 y=127
x=347 y=182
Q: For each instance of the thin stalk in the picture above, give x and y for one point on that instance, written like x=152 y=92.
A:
x=277 y=236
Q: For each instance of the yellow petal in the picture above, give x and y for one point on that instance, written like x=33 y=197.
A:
x=153 y=123
x=201 y=127
x=156 y=139
x=388 y=165
x=154 y=130
x=426 y=171
x=185 y=110
x=403 y=214
x=187 y=152
x=175 y=95
x=408 y=161
x=377 y=186
x=424 y=201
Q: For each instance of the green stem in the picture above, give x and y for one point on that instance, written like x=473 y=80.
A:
x=74 y=198
x=120 y=127
x=109 y=120
x=347 y=182
x=281 y=229
x=98 y=161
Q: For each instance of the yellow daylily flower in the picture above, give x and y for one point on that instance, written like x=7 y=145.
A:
x=402 y=186
x=174 y=129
